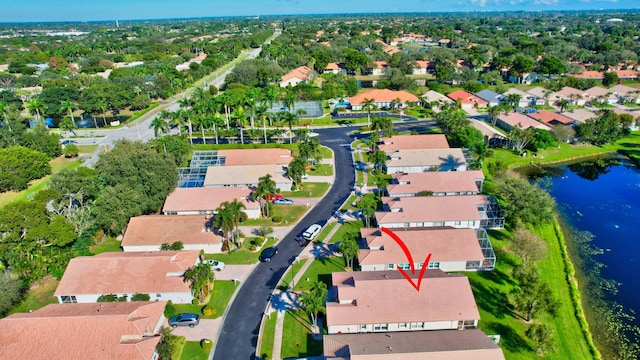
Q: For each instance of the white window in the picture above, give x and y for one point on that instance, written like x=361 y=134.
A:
x=380 y=327
x=158 y=295
x=404 y=266
x=434 y=265
x=391 y=266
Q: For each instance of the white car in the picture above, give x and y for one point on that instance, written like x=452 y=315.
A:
x=215 y=265
x=312 y=232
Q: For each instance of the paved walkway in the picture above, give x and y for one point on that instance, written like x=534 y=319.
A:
x=288 y=300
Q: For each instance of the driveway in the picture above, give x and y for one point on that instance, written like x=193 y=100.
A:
x=205 y=329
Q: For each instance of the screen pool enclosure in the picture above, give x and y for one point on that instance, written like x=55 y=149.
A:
x=193 y=176
x=312 y=109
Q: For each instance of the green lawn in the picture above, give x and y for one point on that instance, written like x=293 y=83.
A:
x=35 y=186
x=325 y=231
x=288 y=214
x=347 y=227
x=220 y=296
x=85 y=149
x=193 y=351
x=321 y=170
x=40 y=295
x=296 y=339
x=242 y=256
x=309 y=189
x=110 y=244
x=347 y=206
x=326 y=152
x=320 y=270
x=266 y=347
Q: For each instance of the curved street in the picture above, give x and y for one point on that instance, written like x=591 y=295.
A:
x=239 y=332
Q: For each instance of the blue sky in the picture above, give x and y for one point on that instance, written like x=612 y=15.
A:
x=87 y=10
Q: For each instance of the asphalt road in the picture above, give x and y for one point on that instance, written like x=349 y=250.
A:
x=239 y=332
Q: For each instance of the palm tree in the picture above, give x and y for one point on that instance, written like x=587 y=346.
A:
x=266 y=186
x=514 y=100
x=368 y=106
x=224 y=221
x=563 y=103
x=289 y=101
x=66 y=124
x=379 y=159
x=309 y=148
x=36 y=107
x=313 y=301
x=297 y=168
x=368 y=204
x=493 y=111
x=261 y=113
x=159 y=126
x=480 y=151
x=216 y=121
x=201 y=278
x=69 y=107
x=381 y=124
x=289 y=118
x=235 y=207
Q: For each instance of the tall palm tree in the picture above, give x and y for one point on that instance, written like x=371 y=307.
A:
x=514 y=100
x=159 y=126
x=289 y=101
x=563 y=103
x=69 y=107
x=368 y=106
x=36 y=107
x=266 y=187
x=290 y=119
x=201 y=278
x=261 y=113
x=235 y=209
x=216 y=121
x=493 y=112
x=66 y=124
x=313 y=301
x=224 y=221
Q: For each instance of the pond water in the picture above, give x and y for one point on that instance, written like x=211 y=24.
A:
x=602 y=196
x=88 y=121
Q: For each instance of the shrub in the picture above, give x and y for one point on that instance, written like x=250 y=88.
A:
x=259 y=240
x=252 y=247
x=208 y=311
x=206 y=345
x=107 y=298
x=140 y=297
x=194 y=302
x=169 y=310
x=276 y=219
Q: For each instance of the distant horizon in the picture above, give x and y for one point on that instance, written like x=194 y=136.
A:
x=71 y=11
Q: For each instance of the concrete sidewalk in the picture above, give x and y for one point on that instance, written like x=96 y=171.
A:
x=292 y=296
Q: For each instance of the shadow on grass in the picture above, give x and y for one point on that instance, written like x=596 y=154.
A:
x=509 y=338
x=497 y=276
x=492 y=300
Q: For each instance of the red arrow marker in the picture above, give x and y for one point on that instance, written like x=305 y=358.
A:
x=407 y=253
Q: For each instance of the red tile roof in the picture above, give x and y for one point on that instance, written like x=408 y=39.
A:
x=514 y=119
x=465 y=97
x=127 y=273
x=413 y=142
x=207 y=199
x=83 y=331
x=431 y=208
x=589 y=75
x=550 y=117
x=301 y=72
x=385 y=297
x=445 y=245
x=161 y=229
x=435 y=181
x=627 y=74
x=256 y=156
x=383 y=96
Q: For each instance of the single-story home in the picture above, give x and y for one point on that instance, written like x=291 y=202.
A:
x=526 y=78
x=256 y=156
x=379 y=68
x=574 y=96
x=601 y=94
x=245 y=176
x=200 y=201
x=451 y=249
x=627 y=74
x=110 y=330
x=384 y=301
x=155 y=273
x=408 y=161
x=335 y=68
x=526 y=99
x=437 y=183
x=149 y=232
x=539 y=95
x=413 y=142
x=511 y=120
x=384 y=98
x=579 y=115
x=423 y=67
x=471 y=344
x=301 y=74
x=551 y=118
x=469 y=211
x=468 y=101
x=590 y=75
x=626 y=93
x=491 y=97
x=434 y=96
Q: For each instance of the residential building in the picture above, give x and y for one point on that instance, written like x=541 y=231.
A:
x=272 y=156
x=469 y=211
x=156 y=273
x=626 y=93
x=423 y=67
x=444 y=42
x=579 y=115
x=434 y=96
x=408 y=161
x=245 y=176
x=471 y=344
x=451 y=249
x=301 y=74
x=199 y=201
x=526 y=99
x=551 y=118
x=118 y=330
x=335 y=68
x=491 y=97
x=514 y=119
x=467 y=101
x=590 y=74
x=627 y=75
x=384 y=301
x=383 y=99
x=413 y=142
x=379 y=68
x=598 y=93
x=149 y=232
x=574 y=96
x=540 y=95
x=436 y=183
x=526 y=78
